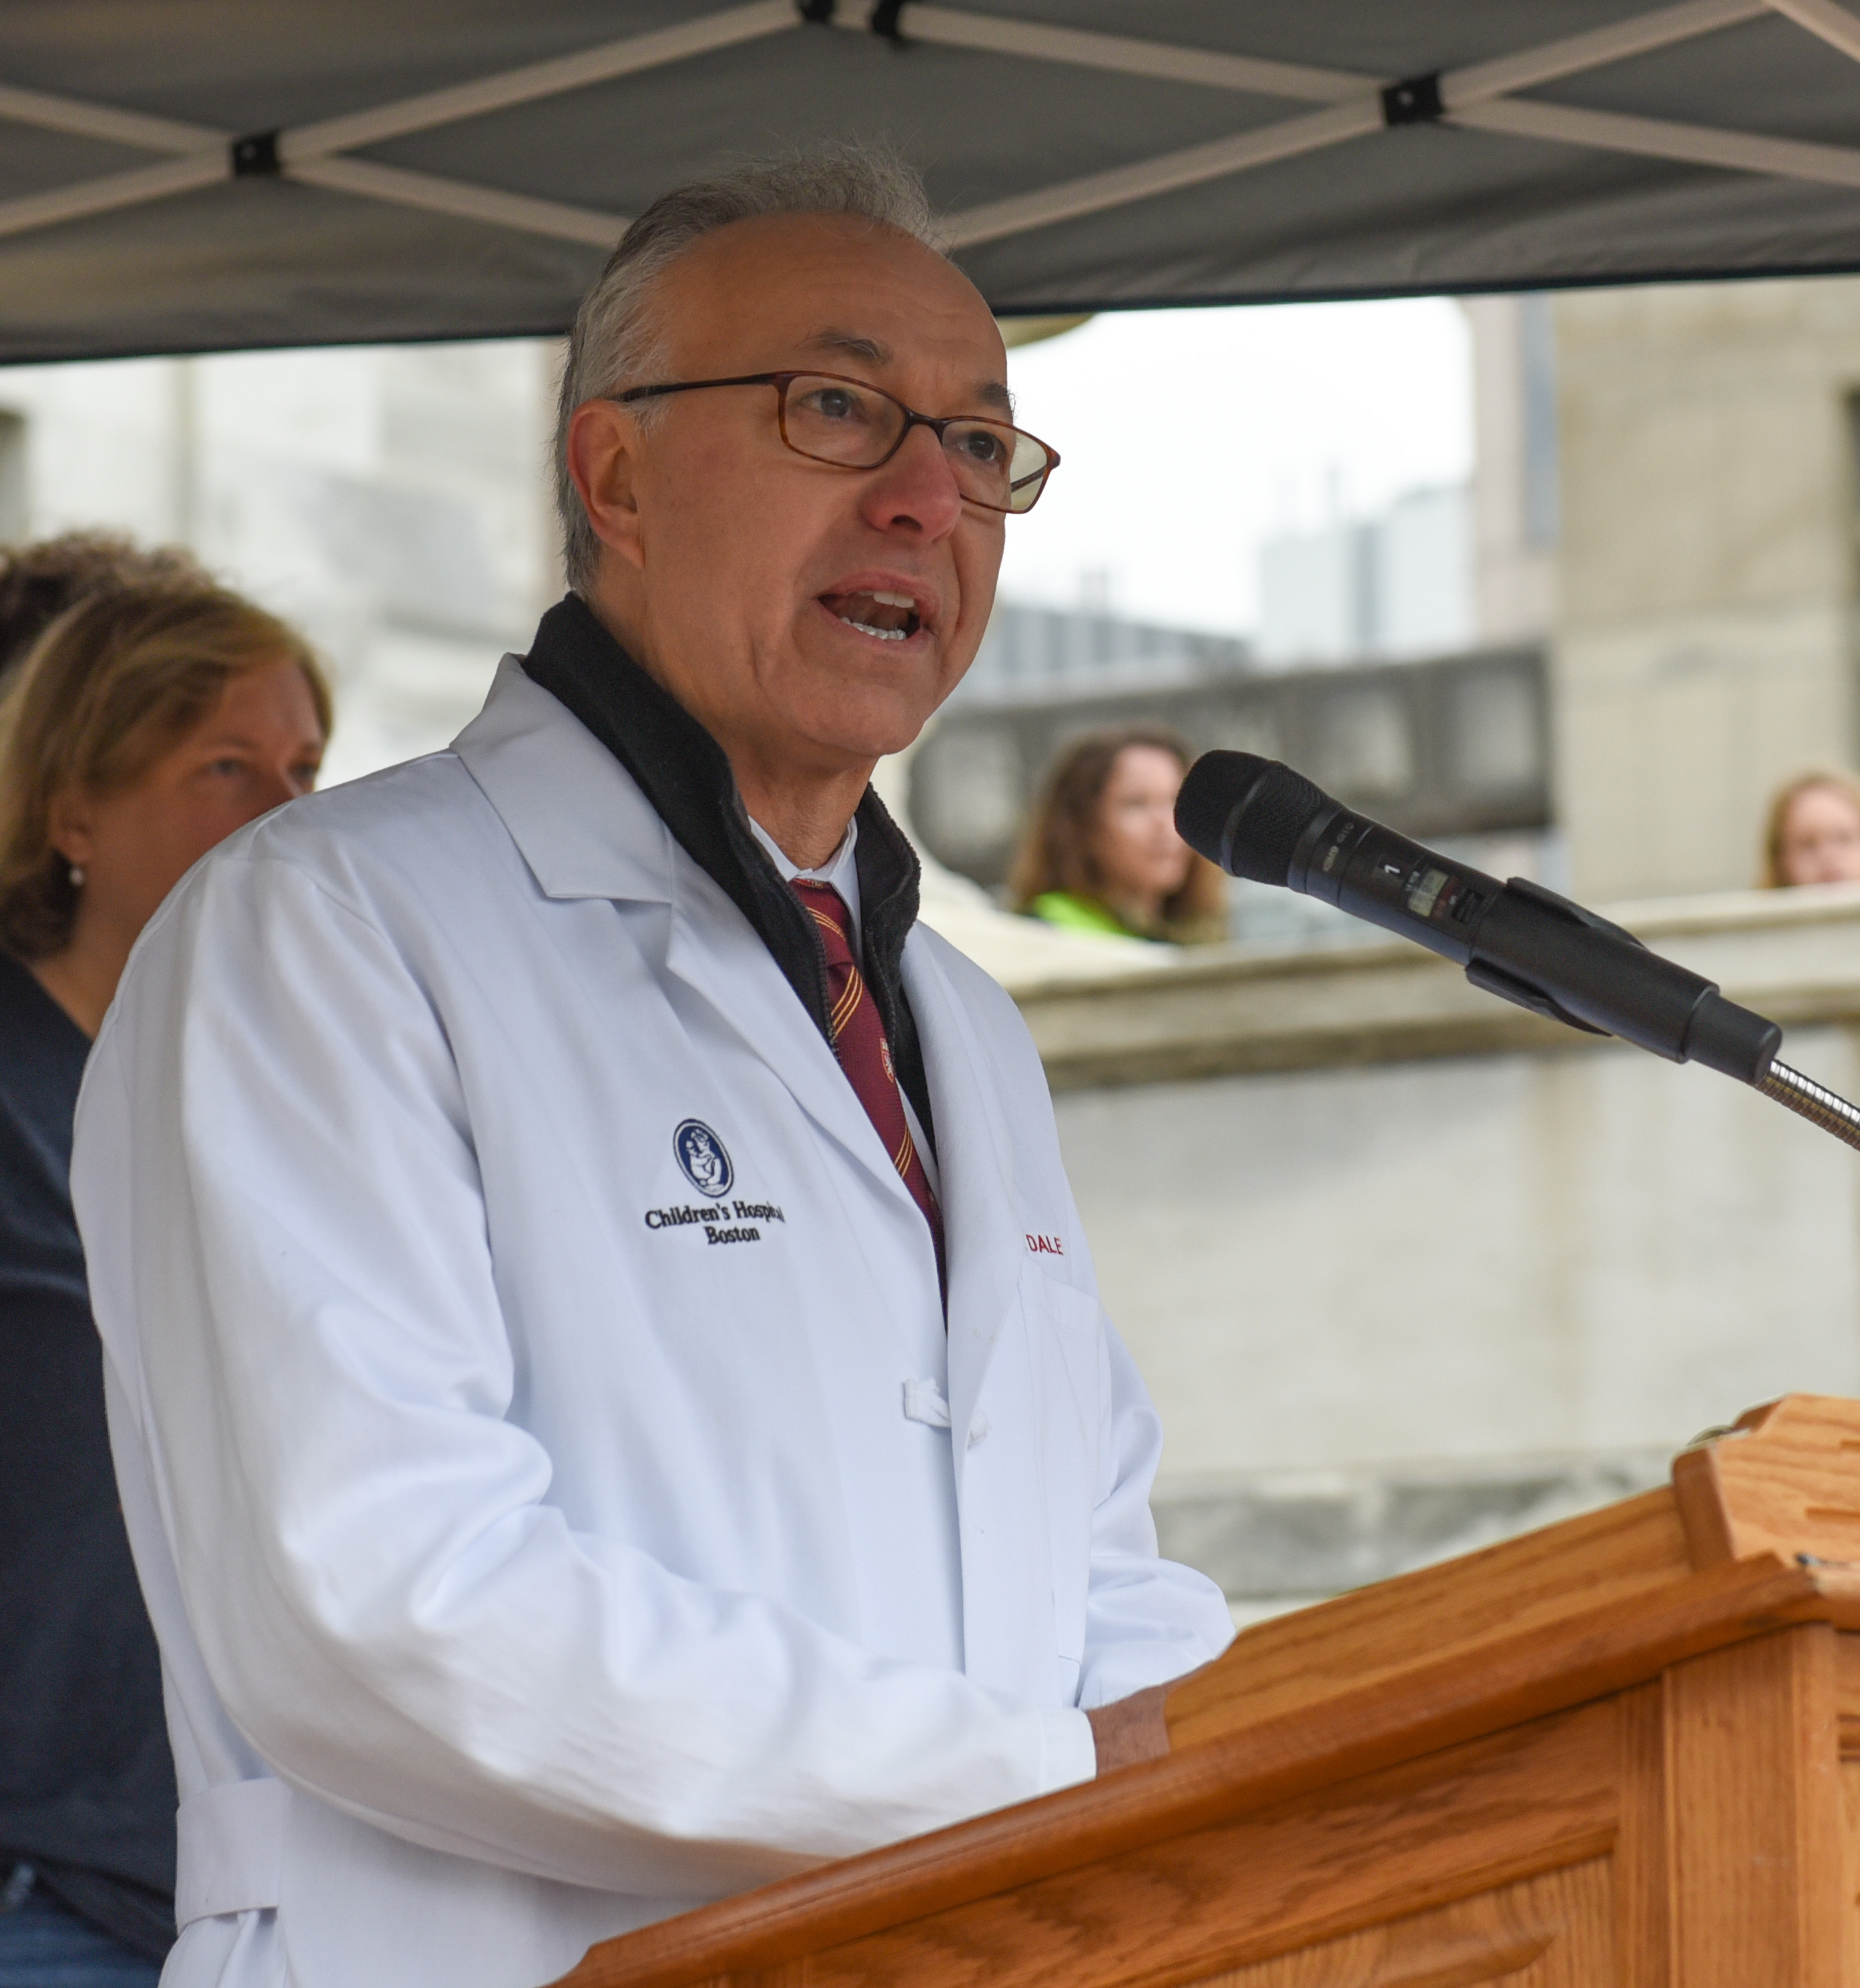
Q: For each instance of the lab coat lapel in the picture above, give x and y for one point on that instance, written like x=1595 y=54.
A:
x=583 y=826
x=717 y=955
x=586 y=830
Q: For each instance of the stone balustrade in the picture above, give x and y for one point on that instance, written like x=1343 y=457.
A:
x=1371 y=1233
x=1794 y=955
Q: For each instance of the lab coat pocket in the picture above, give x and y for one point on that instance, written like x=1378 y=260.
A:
x=1068 y=1331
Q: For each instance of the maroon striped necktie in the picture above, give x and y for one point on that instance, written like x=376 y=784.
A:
x=858 y=1041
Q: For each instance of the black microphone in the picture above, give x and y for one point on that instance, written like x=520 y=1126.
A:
x=1258 y=819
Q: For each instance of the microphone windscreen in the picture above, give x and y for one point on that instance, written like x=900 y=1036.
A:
x=1247 y=813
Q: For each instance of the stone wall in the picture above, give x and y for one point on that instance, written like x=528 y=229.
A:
x=1406 y=1268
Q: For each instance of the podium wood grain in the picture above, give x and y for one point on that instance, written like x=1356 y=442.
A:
x=1625 y=1750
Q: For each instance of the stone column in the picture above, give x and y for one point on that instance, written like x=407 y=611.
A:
x=1705 y=640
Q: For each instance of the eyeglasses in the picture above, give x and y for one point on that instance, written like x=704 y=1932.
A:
x=828 y=418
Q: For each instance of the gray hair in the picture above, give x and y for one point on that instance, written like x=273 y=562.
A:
x=616 y=338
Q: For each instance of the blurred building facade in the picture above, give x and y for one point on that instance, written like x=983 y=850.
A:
x=1517 y=489
x=1398 y=584
x=1031 y=653
x=1455 y=746
x=1706 y=626
x=1402 y=661
x=392 y=502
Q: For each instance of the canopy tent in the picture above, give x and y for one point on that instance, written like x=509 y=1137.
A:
x=191 y=174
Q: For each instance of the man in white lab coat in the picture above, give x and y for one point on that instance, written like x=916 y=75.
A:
x=609 y=1394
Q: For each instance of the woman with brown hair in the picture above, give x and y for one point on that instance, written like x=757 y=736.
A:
x=1812 y=834
x=1102 y=853
x=147 y=724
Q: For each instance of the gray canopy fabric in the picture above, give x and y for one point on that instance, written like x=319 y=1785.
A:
x=181 y=175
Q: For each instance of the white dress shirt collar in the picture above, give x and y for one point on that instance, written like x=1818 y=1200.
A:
x=839 y=870
x=842 y=872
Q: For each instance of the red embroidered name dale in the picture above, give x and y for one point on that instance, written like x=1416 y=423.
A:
x=1046 y=1245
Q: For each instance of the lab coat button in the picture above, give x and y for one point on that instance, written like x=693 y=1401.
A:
x=924 y=1402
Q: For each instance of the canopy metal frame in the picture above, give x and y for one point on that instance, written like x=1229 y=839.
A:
x=1482 y=96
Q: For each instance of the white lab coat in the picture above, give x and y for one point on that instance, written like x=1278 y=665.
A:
x=527 y=1565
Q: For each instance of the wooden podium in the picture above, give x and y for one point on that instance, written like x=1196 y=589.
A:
x=1625 y=1750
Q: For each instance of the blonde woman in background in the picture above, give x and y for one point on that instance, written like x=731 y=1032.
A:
x=146 y=724
x=1101 y=854
x=1812 y=833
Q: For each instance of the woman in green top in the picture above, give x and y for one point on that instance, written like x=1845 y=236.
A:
x=1101 y=854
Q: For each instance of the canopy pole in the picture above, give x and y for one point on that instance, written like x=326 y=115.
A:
x=435 y=195
x=1477 y=97
x=1834 y=23
x=1653 y=137
x=1073 y=199
x=1644 y=34
x=134 y=188
x=1121 y=55
x=629 y=57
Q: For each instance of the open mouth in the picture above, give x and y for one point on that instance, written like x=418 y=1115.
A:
x=886 y=616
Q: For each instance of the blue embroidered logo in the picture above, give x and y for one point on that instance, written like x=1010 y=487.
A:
x=701 y=1154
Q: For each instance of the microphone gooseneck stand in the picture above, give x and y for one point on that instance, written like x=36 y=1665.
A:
x=1260 y=820
x=1808 y=1099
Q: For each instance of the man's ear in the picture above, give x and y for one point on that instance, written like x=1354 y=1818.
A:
x=603 y=461
x=69 y=828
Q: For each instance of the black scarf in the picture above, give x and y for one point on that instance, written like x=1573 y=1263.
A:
x=684 y=771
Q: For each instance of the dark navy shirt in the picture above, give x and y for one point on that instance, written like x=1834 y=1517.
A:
x=86 y=1782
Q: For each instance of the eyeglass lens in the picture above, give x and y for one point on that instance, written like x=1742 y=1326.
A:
x=839 y=421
